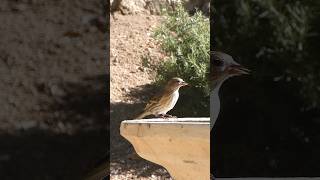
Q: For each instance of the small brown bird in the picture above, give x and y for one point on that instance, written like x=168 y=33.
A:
x=163 y=102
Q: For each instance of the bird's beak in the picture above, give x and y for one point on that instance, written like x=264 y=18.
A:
x=184 y=84
x=237 y=69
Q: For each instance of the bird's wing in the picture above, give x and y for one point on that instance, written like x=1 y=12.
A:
x=154 y=100
x=148 y=110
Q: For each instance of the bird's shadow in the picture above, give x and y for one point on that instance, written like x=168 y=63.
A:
x=123 y=157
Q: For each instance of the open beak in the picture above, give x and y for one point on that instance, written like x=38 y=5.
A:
x=237 y=69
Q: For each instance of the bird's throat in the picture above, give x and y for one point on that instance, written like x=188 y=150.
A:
x=214 y=102
x=215 y=85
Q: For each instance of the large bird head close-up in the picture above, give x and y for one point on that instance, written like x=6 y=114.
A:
x=222 y=66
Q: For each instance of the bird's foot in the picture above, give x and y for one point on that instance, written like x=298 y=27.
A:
x=170 y=116
x=161 y=116
x=166 y=116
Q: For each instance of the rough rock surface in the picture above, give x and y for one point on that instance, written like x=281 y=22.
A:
x=155 y=6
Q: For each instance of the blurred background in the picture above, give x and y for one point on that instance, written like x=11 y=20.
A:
x=53 y=88
x=270 y=121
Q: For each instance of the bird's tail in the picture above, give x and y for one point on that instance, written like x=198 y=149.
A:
x=142 y=115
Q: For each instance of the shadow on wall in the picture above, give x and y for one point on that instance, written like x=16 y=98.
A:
x=41 y=155
x=85 y=104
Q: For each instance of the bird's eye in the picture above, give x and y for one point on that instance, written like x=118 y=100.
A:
x=218 y=63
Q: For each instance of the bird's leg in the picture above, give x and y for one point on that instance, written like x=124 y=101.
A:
x=161 y=116
x=165 y=116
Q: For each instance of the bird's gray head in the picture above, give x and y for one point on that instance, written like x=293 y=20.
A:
x=222 y=66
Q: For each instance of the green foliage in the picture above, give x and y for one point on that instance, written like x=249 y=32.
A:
x=186 y=40
x=274 y=38
x=278 y=105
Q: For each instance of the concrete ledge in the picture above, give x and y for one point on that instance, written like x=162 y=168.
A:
x=181 y=145
x=170 y=121
x=274 y=178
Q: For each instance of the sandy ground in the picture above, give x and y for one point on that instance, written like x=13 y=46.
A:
x=130 y=43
